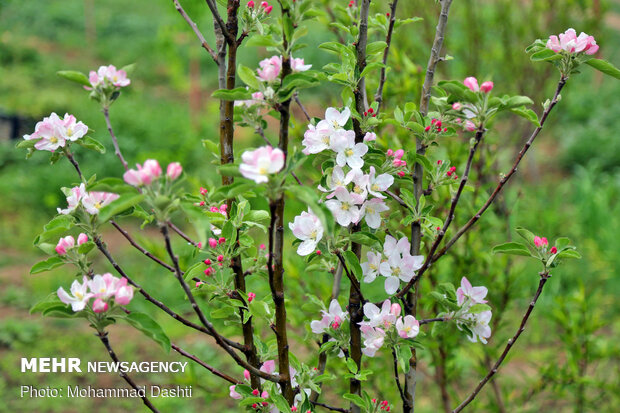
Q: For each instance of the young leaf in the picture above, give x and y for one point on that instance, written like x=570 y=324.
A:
x=604 y=66
x=47 y=265
x=122 y=204
x=512 y=248
x=90 y=143
x=74 y=76
x=150 y=328
x=239 y=93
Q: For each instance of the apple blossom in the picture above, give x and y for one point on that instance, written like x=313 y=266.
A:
x=260 y=163
x=82 y=239
x=53 y=132
x=336 y=180
x=336 y=118
x=378 y=184
x=540 y=242
x=332 y=318
x=474 y=294
x=79 y=297
x=470 y=126
x=371 y=211
x=348 y=152
x=478 y=324
x=94 y=201
x=317 y=138
x=343 y=207
x=100 y=306
x=370 y=268
x=174 y=170
x=379 y=317
x=307 y=227
x=472 y=83
x=73 y=200
x=297 y=65
x=457 y=106
x=373 y=340
x=360 y=185
x=123 y=295
x=144 y=174
x=407 y=327
x=64 y=244
x=370 y=136
x=571 y=43
x=106 y=76
x=270 y=68
x=233 y=394
x=400 y=265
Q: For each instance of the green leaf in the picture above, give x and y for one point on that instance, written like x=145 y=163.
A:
x=526 y=235
x=561 y=243
x=478 y=308
x=239 y=93
x=352 y=366
x=74 y=76
x=375 y=47
x=47 y=265
x=545 y=55
x=528 y=114
x=86 y=247
x=512 y=248
x=123 y=203
x=353 y=264
x=248 y=77
x=604 y=66
x=150 y=328
x=509 y=102
x=569 y=254
x=403 y=354
x=280 y=402
x=56 y=227
x=356 y=399
x=129 y=68
x=366 y=238
x=90 y=143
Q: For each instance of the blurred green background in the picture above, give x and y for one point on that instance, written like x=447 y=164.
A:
x=569 y=185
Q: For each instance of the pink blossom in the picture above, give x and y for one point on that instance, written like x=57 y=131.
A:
x=53 y=132
x=401 y=173
x=470 y=126
x=472 y=84
x=343 y=207
x=246 y=375
x=251 y=297
x=100 y=306
x=268 y=9
x=370 y=136
x=261 y=246
x=486 y=87
x=124 y=295
x=174 y=170
x=73 y=200
x=395 y=309
x=82 y=239
x=297 y=65
x=467 y=291
x=251 y=4
x=209 y=271
x=94 y=201
x=331 y=318
x=270 y=68
x=79 y=295
x=457 y=106
x=203 y=191
x=260 y=163
x=144 y=174
x=348 y=152
x=571 y=43
x=540 y=242
x=64 y=244
x=233 y=394
x=268 y=367
x=399 y=153
x=407 y=327
x=106 y=76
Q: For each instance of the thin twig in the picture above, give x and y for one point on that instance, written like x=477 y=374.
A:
x=103 y=336
x=332 y=408
x=140 y=248
x=433 y=320
x=301 y=106
x=182 y=234
x=197 y=32
x=117 y=149
x=205 y=365
x=455 y=200
x=351 y=277
x=544 y=276
x=388 y=41
x=75 y=164
x=396 y=375
x=230 y=39
x=506 y=177
x=397 y=199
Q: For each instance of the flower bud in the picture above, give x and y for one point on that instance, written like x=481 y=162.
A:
x=203 y=191
x=100 y=306
x=174 y=170
x=401 y=173
x=486 y=87
x=472 y=84
x=199 y=283
x=457 y=106
x=251 y=4
x=82 y=238
x=221 y=240
x=554 y=250
x=246 y=374
x=209 y=271
x=395 y=309
x=220 y=258
x=64 y=244
x=255 y=392
x=212 y=242
x=470 y=126
x=268 y=9
x=389 y=152
x=251 y=297
x=124 y=295
x=399 y=153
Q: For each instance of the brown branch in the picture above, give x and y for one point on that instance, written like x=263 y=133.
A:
x=205 y=365
x=182 y=234
x=139 y=247
x=432 y=320
x=506 y=178
x=396 y=375
x=197 y=32
x=74 y=163
x=117 y=149
x=101 y=246
x=361 y=102
x=230 y=37
x=332 y=408
x=218 y=338
x=544 y=276
x=103 y=336
x=388 y=41
x=397 y=199
x=455 y=200
x=354 y=282
x=301 y=106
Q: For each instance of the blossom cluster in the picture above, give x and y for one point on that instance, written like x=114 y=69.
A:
x=150 y=171
x=270 y=68
x=67 y=243
x=103 y=288
x=92 y=202
x=107 y=77
x=258 y=164
x=384 y=322
x=53 y=132
x=395 y=263
x=477 y=322
x=332 y=319
x=569 y=42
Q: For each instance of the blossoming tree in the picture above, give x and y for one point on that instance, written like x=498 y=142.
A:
x=371 y=217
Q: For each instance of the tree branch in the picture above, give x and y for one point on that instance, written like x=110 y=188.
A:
x=205 y=365
x=117 y=149
x=388 y=41
x=194 y=28
x=544 y=276
x=103 y=336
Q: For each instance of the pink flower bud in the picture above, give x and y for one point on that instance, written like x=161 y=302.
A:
x=203 y=191
x=486 y=87
x=124 y=295
x=209 y=271
x=439 y=162
x=202 y=203
x=396 y=162
x=470 y=126
x=403 y=163
x=395 y=309
x=457 y=106
x=254 y=406
x=318 y=252
x=64 y=244
x=100 y=306
x=268 y=9
x=212 y=242
x=472 y=84
x=389 y=152
x=401 y=173
x=82 y=238
x=399 y=153
x=207 y=261
x=251 y=4
x=255 y=392
x=294 y=409
x=538 y=242
x=251 y=297
x=370 y=136
x=427 y=128
x=199 y=245
x=220 y=258
x=174 y=170
x=261 y=246
x=264 y=394
x=223 y=207
x=246 y=374
x=199 y=283
x=554 y=250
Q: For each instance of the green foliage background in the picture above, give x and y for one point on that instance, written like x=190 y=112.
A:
x=569 y=185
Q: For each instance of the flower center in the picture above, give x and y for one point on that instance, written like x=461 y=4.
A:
x=396 y=271
x=325 y=139
x=69 y=132
x=345 y=206
x=313 y=234
x=375 y=187
x=348 y=152
x=54 y=139
x=262 y=171
x=98 y=205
